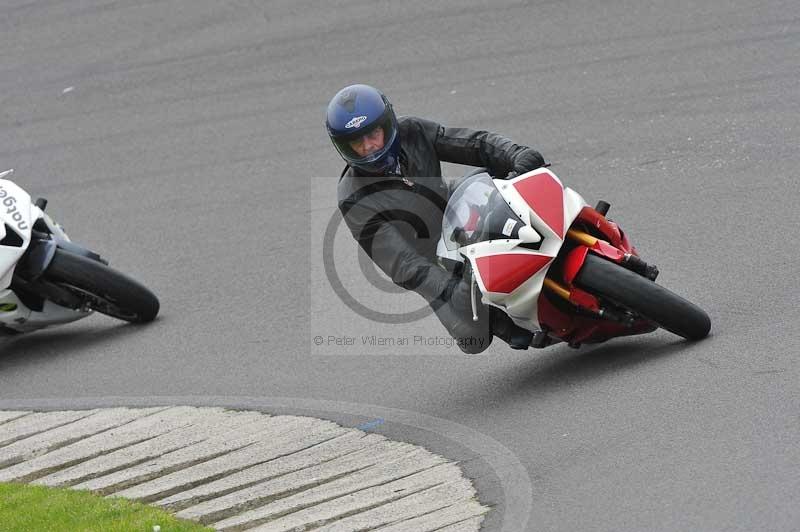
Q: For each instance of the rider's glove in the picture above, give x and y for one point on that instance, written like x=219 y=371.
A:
x=458 y=295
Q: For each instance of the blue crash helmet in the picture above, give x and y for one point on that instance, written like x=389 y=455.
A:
x=358 y=110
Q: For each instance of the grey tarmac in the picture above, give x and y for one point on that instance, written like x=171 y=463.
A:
x=184 y=141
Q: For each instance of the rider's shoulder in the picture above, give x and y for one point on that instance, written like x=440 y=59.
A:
x=415 y=125
x=410 y=121
x=351 y=185
x=346 y=179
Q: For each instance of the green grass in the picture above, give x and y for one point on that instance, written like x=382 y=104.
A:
x=37 y=508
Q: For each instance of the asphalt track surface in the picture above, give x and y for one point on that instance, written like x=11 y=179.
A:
x=184 y=141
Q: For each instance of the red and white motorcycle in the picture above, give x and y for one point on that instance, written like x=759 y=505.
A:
x=45 y=279
x=555 y=265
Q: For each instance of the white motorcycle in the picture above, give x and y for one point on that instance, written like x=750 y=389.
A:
x=45 y=279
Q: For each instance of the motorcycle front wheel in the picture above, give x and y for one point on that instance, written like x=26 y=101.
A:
x=103 y=288
x=642 y=296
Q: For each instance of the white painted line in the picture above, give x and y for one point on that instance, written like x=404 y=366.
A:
x=240 y=470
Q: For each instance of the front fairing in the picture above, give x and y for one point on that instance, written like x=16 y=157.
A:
x=509 y=269
x=17 y=215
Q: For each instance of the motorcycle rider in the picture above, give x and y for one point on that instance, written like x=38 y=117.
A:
x=392 y=159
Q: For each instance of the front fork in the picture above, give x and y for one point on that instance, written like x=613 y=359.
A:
x=29 y=273
x=627 y=259
x=617 y=249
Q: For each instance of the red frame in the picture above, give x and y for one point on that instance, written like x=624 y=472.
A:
x=572 y=327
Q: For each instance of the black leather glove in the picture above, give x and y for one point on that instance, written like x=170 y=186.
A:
x=530 y=160
x=458 y=296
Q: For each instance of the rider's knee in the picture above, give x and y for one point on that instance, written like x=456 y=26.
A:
x=472 y=345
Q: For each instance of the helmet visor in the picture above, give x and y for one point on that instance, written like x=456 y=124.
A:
x=369 y=144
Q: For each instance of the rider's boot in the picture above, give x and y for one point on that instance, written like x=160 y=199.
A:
x=504 y=328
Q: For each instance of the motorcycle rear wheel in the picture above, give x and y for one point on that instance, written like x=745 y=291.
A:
x=609 y=280
x=103 y=288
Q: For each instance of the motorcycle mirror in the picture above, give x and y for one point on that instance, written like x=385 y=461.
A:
x=529 y=235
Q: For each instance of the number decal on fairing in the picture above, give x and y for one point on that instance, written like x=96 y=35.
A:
x=11 y=203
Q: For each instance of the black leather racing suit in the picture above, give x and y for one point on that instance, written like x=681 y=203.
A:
x=397 y=219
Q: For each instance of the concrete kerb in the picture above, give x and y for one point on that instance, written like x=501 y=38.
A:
x=239 y=481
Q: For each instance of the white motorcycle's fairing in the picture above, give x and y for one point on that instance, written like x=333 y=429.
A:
x=23 y=319
x=15 y=214
x=19 y=214
x=541 y=201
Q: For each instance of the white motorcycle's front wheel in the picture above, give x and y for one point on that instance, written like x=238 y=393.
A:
x=103 y=288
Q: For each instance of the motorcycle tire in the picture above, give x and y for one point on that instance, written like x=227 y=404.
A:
x=104 y=289
x=609 y=280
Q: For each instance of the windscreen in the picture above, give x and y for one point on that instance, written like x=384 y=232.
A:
x=476 y=212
